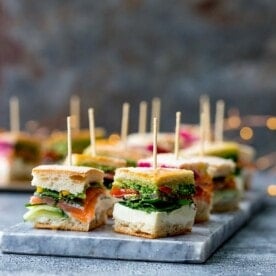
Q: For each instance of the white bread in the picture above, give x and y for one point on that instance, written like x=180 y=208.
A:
x=157 y=177
x=155 y=224
x=72 y=224
x=79 y=159
x=203 y=210
x=216 y=166
x=168 y=160
x=213 y=148
x=61 y=177
x=219 y=166
x=76 y=135
x=118 y=151
x=164 y=140
x=109 y=202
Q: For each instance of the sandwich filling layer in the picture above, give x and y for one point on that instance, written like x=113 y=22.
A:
x=162 y=190
x=107 y=164
x=52 y=204
x=64 y=192
x=137 y=222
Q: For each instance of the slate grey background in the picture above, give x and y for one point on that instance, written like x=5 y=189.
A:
x=113 y=51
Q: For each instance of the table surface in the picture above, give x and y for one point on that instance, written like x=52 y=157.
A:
x=251 y=251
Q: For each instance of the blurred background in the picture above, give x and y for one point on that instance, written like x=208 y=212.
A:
x=112 y=51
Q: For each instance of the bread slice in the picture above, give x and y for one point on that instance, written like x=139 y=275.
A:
x=72 y=224
x=73 y=179
x=218 y=167
x=154 y=177
x=155 y=224
x=131 y=155
x=98 y=160
x=220 y=149
x=165 y=141
x=203 y=209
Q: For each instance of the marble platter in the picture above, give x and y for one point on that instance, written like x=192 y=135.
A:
x=194 y=247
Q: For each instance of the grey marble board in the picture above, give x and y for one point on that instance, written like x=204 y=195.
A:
x=194 y=247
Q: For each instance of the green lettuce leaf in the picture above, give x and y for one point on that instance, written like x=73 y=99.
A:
x=156 y=205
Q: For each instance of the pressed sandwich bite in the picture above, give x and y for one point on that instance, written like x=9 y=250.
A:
x=67 y=198
x=105 y=163
x=227 y=194
x=155 y=202
x=203 y=183
x=19 y=153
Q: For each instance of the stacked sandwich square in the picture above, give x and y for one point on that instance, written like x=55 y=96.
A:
x=155 y=202
x=67 y=198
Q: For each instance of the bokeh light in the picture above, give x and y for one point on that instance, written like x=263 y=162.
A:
x=234 y=121
x=271 y=123
x=246 y=133
x=271 y=190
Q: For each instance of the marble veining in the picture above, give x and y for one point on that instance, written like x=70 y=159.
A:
x=194 y=247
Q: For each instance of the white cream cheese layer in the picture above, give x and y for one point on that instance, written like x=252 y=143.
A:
x=149 y=222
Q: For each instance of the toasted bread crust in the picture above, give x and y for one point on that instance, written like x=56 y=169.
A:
x=125 y=228
x=74 y=225
x=66 y=170
x=155 y=224
x=159 y=176
x=99 y=160
x=70 y=178
x=203 y=210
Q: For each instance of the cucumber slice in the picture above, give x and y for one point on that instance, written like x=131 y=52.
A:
x=43 y=211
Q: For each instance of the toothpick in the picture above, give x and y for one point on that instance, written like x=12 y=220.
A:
x=219 y=121
x=142 y=117
x=75 y=112
x=202 y=100
x=202 y=133
x=206 y=110
x=69 y=141
x=155 y=111
x=92 y=131
x=14 y=115
x=154 y=152
x=176 y=136
x=124 y=124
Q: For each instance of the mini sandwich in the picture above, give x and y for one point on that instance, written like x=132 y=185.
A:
x=188 y=135
x=242 y=155
x=227 y=194
x=130 y=155
x=165 y=142
x=203 y=183
x=67 y=198
x=155 y=202
x=55 y=147
x=19 y=153
x=105 y=163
